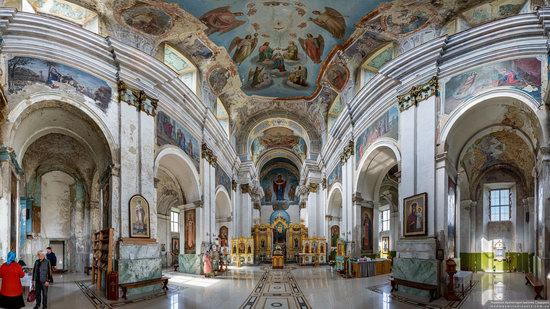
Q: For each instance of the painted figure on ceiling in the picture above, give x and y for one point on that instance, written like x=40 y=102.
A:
x=279 y=62
x=243 y=47
x=279 y=186
x=313 y=47
x=299 y=76
x=291 y=52
x=221 y=20
x=332 y=21
x=266 y=52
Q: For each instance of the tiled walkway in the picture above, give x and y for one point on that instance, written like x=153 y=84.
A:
x=321 y=288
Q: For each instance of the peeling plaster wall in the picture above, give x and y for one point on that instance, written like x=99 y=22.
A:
x=57 y=201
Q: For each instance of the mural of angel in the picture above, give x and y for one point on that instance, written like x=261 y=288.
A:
x=221 y=20
x=313 y=47
x=243 y=47
x=332 y=21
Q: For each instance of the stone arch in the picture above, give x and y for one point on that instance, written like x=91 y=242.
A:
x=379 y=158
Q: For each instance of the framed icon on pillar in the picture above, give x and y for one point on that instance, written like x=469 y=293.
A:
x=415 y=215
x=140 y=226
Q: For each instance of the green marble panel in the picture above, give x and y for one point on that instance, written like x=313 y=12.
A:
x=416 y=270
x=190 y=264
x=135 y=270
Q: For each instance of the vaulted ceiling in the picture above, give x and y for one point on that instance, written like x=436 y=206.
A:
x=282 y=57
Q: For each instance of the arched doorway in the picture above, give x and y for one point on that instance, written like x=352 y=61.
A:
x=66 y=158
x=377 y=225
x=177 y=193
x=334 y=219
x=223 y=216
x=492 y=145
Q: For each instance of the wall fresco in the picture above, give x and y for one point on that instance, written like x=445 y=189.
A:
x=334 y=176
x=171 y=132
x=223 y=179
x=26 y=71
x=147 y=19
x=278 y=137
x=520 y=74
x=385 y=126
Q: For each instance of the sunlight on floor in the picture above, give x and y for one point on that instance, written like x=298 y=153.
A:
x=193 y=281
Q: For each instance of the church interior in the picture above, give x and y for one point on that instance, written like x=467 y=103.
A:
x=278 y=154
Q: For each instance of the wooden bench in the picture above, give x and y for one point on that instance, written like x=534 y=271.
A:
x=417 y=285
x=139 y=284
x=537 y=285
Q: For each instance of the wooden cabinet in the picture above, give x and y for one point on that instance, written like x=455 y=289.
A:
x=102 y=265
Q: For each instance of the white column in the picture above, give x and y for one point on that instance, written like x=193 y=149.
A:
x=147 y=162
x=246 y=206
x=130 y=167
x=312 y=213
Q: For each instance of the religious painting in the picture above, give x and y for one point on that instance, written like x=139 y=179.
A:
x=190 y=231
x=492 y=11
x=451 y=218
x=278 y=137
x=26 y=71
x=385 y=244
x=223 y=235
x=335 y=176
x=217 y=79
x=367 y=230
x=337 y=76
x=140 y=226
x=223 y=179
x=147 y=19
x=415 y=215
x=278 y=47
x=334 y=235
x=175 y=245
x=519 y=74
x=385 y=126
x=171 y=132
x=280 y=184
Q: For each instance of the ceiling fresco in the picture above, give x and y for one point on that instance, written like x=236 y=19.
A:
x=279 y=46
x=264 y=58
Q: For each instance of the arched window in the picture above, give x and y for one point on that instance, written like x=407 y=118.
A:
x=66 y=10
x=374 y=62
x=222 y=116
x=185 y=69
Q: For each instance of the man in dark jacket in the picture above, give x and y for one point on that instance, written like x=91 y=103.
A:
x=41 y=278
x=50 y=255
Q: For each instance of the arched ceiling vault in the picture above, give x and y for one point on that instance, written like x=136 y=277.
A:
x=291 y=56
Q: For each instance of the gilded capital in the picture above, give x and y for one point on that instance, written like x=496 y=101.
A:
x=418 y=94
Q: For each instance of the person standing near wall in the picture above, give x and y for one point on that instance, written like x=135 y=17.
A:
x=41 y=278
x=50 y=255
x=11 y=293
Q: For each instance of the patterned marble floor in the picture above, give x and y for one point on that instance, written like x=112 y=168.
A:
x=276 y=289
x=320 y=287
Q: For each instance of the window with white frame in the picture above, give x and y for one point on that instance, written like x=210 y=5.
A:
x=499 y=204
x=65 y=10
x=186 y=70
x=174 y=221
x=385 y=218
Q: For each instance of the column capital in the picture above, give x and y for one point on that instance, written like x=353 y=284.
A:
x=208 y=155
x=137 y=98
x=418 y=94
x=348 y=152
